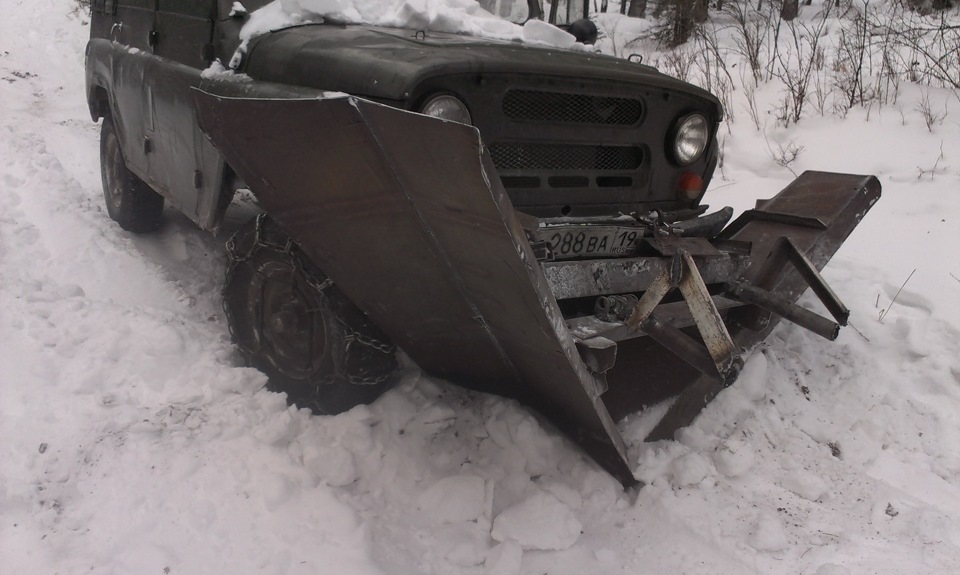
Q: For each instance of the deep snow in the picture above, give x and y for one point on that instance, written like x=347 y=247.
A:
x=133 y=443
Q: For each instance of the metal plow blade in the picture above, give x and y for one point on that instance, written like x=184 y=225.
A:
x=764 y=261
x=407 y=215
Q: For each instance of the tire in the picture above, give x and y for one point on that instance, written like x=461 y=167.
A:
x=130 y=201
x=291 y=322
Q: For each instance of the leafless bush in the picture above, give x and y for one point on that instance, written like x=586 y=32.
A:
x=711 y=69
x=774 y=51
x=930 y=118
x=934 y=170
x=750 y=94
x=802 y=58
x=887 y=86
x=819 y=91
x=751 y=33
x=678 y=63
x=782 y=111
x=785 y=154
x=851 y=61
x=929 y=46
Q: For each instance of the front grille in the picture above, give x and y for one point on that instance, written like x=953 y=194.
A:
x=571 y=108
x=564 y=157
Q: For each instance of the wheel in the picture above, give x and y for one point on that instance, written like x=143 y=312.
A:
x=130 y=202
x=291 y=322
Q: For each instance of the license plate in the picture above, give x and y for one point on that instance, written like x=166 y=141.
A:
x=590 y=241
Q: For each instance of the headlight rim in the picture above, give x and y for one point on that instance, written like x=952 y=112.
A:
x=434 y=97
x=675 y=138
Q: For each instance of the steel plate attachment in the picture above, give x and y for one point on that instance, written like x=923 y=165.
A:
x=481 y=310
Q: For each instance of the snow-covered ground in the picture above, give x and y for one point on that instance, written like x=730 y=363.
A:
x=131 y=442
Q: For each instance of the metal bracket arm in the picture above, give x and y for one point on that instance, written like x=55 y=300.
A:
x=720 y=358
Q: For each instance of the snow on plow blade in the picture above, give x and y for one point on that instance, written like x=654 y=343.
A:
x=407 y=215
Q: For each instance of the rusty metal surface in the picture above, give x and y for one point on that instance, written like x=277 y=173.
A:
x=839 y=202
x=406 y=215
x=616 y=276
x=717 y=356
x=676 y=314
x=789 y=311
x=710 y=324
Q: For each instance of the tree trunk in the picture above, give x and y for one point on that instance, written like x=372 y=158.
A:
x=638 y=9
x=684 y=20
x=534 y=11
x=789 y=10
x=699 y=10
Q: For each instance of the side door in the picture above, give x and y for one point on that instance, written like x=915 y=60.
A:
x=126 y=26
x=183 y=164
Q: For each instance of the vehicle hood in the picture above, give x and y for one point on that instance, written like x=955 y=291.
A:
x=388 y=63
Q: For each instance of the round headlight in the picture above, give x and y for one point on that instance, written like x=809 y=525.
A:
x=693 y=133
x=447 y=107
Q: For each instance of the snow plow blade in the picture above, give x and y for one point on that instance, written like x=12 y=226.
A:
x=408 y=216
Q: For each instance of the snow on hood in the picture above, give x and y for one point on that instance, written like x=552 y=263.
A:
x=452 y=16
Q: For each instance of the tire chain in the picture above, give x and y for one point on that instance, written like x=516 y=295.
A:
x=238 y=254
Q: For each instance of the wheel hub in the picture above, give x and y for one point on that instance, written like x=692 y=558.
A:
x=288 y=322
x=291 y=322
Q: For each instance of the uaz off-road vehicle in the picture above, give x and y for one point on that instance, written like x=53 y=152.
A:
x=518 y=219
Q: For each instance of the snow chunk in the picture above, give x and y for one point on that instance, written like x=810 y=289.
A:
x=504 y=559
x=539 y=522
x=804 y=484
x=753 y=380
x=768 y=535
x=540 y=32
x=733 y=458
x=237 y=9
x=330 y=464
x=690 y=469
x=454 y=499
x=277 y=489
x=217 y=71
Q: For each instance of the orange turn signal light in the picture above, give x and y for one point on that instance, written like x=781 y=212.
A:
x=690 y=186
